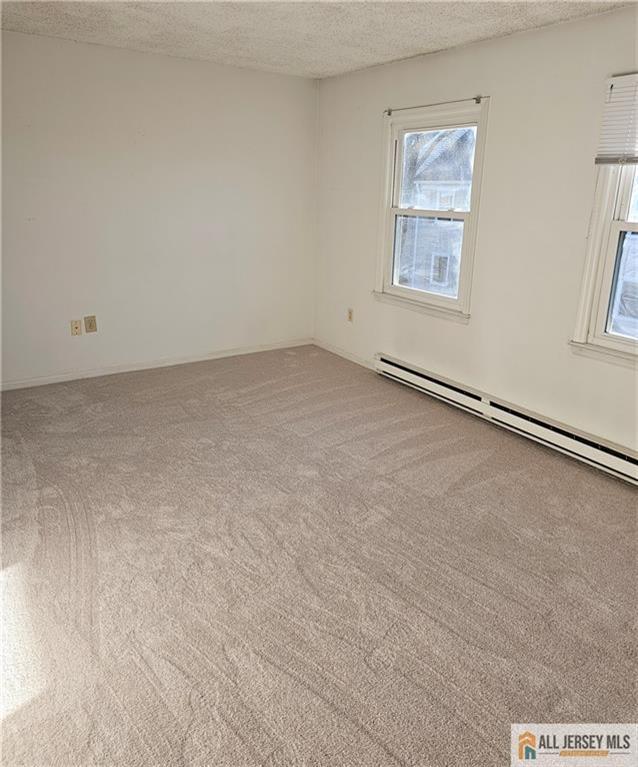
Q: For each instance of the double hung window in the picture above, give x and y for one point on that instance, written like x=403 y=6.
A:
x=429 y=216
x=608 y=311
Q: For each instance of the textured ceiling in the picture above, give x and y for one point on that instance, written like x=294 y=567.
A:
x=314 y=39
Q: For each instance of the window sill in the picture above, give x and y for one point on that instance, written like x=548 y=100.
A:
x=597 y=351
x=455 y=315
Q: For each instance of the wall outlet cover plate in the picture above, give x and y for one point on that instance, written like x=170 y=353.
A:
x=90 y=324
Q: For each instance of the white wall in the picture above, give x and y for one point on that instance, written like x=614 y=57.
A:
x=546 y=102
x=176 y=201
x=171 y=198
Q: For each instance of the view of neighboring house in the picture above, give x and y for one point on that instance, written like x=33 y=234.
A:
x=437 y=177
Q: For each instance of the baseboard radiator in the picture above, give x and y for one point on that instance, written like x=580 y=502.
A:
x=611 y=458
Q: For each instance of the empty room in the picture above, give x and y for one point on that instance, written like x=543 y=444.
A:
x=319 y=384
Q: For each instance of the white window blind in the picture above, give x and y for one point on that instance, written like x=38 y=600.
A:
x=619 y=133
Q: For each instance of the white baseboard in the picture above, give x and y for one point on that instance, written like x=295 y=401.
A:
x=343 y=353
x=74 y=375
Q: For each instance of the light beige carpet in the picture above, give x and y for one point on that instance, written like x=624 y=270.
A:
x=283 y=559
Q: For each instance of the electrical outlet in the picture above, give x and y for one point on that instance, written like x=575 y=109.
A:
x=76 y=327
x=350 y=315
x=90 y=324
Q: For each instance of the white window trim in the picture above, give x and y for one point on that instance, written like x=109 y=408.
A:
x=608 y=219
x=456 y=114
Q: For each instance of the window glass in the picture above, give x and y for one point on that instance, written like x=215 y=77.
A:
x=427 y=254
x=633 y=206
x=623 y=306
x=437 y=169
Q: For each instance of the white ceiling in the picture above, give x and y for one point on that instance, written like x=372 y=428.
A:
x=313 y=39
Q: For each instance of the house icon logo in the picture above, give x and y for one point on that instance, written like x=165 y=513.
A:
x=526 y=746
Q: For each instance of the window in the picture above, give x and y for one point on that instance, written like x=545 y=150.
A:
x=608 y=313
x=430 y=206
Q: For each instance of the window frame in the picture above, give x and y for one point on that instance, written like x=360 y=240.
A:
x=468 y=113
x=609 y=218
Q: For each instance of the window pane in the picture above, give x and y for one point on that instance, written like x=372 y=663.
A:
x=427 y=254
x=633 y=206
x=623 y=307
x=437 y=169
